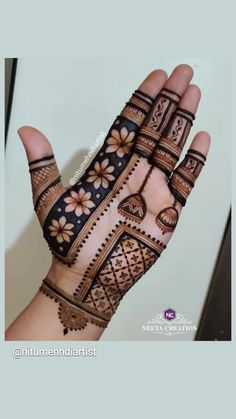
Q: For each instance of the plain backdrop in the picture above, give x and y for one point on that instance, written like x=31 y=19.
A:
x=72 y=101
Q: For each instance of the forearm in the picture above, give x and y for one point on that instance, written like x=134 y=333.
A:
x=40 y=321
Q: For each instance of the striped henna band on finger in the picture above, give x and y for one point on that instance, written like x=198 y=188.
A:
x=155 y=122
x=170 y=146
x=183 y=179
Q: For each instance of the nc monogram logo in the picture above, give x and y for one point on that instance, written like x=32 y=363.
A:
x=169 y=314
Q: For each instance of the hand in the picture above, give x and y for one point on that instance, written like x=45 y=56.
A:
x=109 y=228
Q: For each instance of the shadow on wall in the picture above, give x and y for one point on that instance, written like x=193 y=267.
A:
x=29 y=259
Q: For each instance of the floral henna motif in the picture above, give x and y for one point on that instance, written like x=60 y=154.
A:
x=79 y=202
x=61 y=230
x=101 y=175
x=120 y=142
x=125 y=256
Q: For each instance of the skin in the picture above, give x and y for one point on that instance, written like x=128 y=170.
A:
x=39 y=320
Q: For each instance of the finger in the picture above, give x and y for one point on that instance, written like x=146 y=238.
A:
x=153 y=83
x=141 y=101
x=170 y=146
x=184 y=176
x=162 y=110
x=180 y=79
x=45 y=177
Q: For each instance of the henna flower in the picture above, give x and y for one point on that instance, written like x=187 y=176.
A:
x=79 y=202
x=61 y=230
x=120 y=142
x=101 y=175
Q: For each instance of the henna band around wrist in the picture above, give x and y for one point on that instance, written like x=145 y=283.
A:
x=73 y=315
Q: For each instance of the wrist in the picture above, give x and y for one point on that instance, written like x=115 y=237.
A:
x=64 y=277
x=73 y=313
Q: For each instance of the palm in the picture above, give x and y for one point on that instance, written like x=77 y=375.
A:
x=157 y=196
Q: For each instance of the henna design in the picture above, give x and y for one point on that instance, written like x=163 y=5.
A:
x=101 y=174
x=61 y=230
x=129 y=260
x=183 y=178
x=120 y=142
x=46 y=184
x=134 y=206
x=42 y=159
x=79 y=202
x=122 y=259
x=47 y=199
x=69 y=215
x=137 y=107
x=89 y=226
x=155 y=122
x=72 y=315
x=42 y=178
x=167 y=219
x=100 y=182
x=169 y=148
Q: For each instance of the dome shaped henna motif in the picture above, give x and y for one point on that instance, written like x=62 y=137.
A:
x=167 y=219
x=133 y=207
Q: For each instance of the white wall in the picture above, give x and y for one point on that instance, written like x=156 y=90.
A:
x=71 y=102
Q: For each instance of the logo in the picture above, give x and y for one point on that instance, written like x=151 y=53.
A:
x=87 y=158
x=169 y=323
x=169 y=314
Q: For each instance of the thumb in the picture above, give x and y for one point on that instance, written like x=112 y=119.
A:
x=35 y=143
x=45 y=176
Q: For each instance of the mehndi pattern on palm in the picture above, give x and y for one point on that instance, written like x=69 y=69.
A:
x=145 y=140
x=68 y=210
